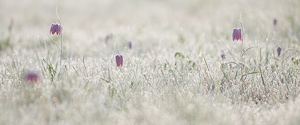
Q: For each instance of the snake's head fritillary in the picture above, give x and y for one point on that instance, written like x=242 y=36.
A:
x=129 y=44
x=119 y=60
x=55 y=28
x=237 y=34
x=31 y=76
x=278 y=51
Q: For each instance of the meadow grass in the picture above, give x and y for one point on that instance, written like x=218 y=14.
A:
x=174 y=73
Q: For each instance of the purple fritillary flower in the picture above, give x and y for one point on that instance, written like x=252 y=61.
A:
x=278 y=51
x=55 y=28
x=108 y=37
x=275 y=22
x=237 y=34
x=129 y=44
x=119 y=60
x=223 y=56
x=31 y=76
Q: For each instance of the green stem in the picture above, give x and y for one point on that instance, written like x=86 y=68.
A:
x=61 y=52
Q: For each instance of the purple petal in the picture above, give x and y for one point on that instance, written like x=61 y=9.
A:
x=54 y=28
x=52 y=31
x=58 y=30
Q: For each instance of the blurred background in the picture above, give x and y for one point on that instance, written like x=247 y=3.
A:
x=155 y=21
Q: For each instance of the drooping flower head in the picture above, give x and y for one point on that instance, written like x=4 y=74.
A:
x=55 y=28
x=107 y=38
x=278 y=51
x=31 y=76
x=119 y=60
x=237 y=34
x=223 y=56
x=129 y=44
x=275 y=22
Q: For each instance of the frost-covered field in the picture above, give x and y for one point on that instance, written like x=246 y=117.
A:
x=174 y=73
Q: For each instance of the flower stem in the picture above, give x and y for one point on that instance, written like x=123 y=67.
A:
x=61 y=49
x=61 y=37
x=242 y=59
x=242 y=51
